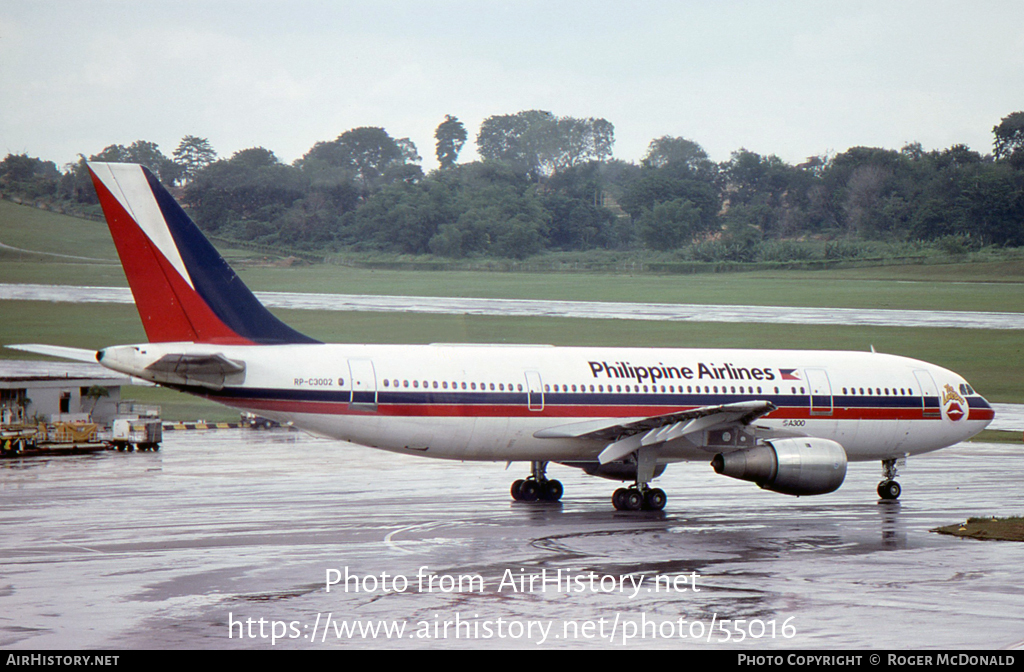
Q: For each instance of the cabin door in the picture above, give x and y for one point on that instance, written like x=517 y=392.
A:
x=930 y=407
x=821 y=392
x=534 y=391
x=364 y=385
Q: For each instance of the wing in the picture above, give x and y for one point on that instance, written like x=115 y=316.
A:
x=627 y=436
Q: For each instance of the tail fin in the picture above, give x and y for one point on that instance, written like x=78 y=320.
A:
x=183 y=288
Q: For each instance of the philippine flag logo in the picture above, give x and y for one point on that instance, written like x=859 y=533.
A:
x=789 y=374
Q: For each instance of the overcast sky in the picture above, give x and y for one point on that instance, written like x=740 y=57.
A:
x=794 y=79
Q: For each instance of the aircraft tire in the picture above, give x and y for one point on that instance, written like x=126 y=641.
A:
x=655 y=499
x=516 y=485
x=633 y=500
x=889 y=490
x=529 y=491
x=619 y=499
x=552 y=491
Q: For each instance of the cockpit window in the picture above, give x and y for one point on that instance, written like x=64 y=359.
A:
x=966 y=389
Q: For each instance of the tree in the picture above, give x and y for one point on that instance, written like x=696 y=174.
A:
x=96 y=392
x=192 y=155
x=669 y=225
x=368 y=153
x=143 y=152
x=668 y=151
x=1009 y=142
x=450 y=136
x=537 y=143
x=24 y=168
x=517 y=139
x=575 y=199
x=248 y=194
x=578 y=141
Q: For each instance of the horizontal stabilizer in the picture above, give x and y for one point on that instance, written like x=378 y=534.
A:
x=76 y=354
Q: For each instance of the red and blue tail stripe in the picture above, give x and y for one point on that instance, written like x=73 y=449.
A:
x=183 y=289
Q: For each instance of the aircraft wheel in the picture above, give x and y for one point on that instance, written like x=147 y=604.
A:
x=529 y=491
x=889 y=490
x=516 y=485
x=552 y=491
x=633 y=500
x=619 y=499
x=655 y=499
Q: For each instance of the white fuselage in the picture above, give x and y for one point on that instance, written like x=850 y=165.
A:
x=486 y=402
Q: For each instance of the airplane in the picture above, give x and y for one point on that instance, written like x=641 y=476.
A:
x=787 y=420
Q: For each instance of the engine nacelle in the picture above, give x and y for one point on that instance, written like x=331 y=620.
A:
x=802 y=466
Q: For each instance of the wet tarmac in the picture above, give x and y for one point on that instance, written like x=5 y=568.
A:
x=672 y=312
x=192 y=546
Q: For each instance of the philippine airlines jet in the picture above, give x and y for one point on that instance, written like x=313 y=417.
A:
x=787 y=420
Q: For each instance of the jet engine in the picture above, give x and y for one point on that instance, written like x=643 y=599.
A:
x=800 y=466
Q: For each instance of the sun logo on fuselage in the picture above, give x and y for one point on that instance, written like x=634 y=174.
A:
x=954 y=405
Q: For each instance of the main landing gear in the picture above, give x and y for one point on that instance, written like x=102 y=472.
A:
x=639 y=497
x=537 y=486
x=889 y=488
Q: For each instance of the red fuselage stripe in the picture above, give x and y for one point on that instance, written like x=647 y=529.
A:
x=498 y=411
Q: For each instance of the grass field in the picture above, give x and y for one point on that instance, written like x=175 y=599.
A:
x=988 y=286
x=992 y=360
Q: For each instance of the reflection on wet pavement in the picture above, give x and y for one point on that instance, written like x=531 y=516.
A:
x=168 y=549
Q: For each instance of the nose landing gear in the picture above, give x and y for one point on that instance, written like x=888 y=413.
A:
x=889 y=489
